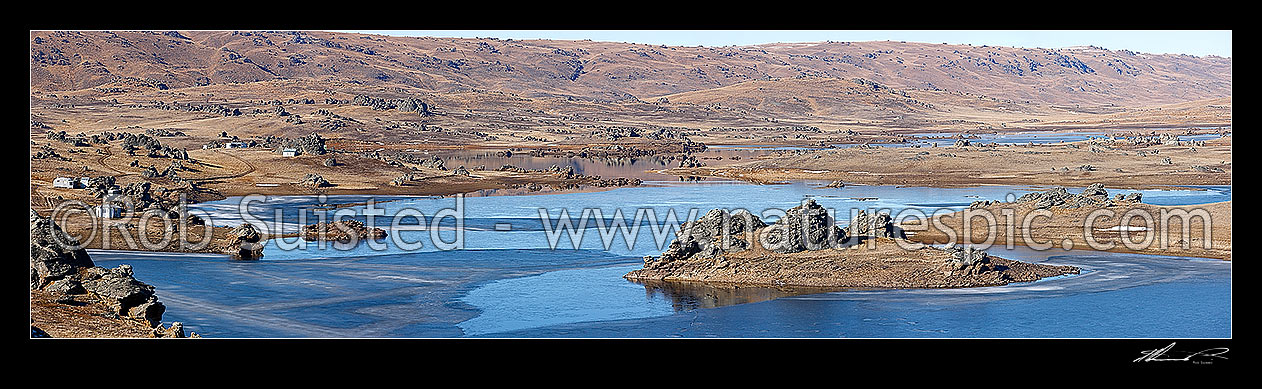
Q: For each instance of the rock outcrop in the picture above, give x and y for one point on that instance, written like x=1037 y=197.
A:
x=54 y=255
x=61 y=268
x=244 y=242
x=1094 y=196
x=966 y=260
x=804 y=227
x=312 y=144
x=433 y=162
x=803 y=249
x=119 y=288
x=349 y=230
x=404 y=104
x=875 y=225
x=312 y=180
x=717 y=232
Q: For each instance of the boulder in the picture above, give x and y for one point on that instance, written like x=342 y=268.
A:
x=968 y=260
x=681 y=248
x=433 y=162
x=729 y=227
x=54 y=254
x=66 y=286
x=312 y=180
x=804 y=227
x=245 y=243
x=1093 y=196
x=349 y=230
x=129 y=297
x=175 y=331
x=875 y=225
x=1096 y=189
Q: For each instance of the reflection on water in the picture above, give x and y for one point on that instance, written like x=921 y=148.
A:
x=1117 y=295
x=687 y=296
x=508 y=283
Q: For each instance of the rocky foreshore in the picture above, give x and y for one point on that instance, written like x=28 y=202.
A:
x=805 y=248
x=1093 y=219
x=72 y=297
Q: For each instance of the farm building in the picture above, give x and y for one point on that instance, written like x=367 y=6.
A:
x=65 y=182
x=107 y=211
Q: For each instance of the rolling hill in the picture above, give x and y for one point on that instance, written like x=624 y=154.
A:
x=604 y=71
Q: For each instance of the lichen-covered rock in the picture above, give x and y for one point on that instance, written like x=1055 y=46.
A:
x=59 y=266
x=874 y=225
x=433 y=162
x=175 y=331
x=1094 y=196
x=54 y=254
x=804 y=227
x=719 y=223
x=245 y=243
x=349 y=230
x=119 y=288
x=968 y=260
x=312 y=144
x=312 y=180
x=66 y=286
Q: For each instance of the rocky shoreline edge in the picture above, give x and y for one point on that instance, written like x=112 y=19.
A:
x=805 y=249
x=72 y=297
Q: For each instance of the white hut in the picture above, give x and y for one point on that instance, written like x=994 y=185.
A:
x=289 y=152
x=107 y=211
x=65 y=182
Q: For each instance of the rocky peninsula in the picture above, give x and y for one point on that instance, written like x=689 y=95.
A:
x=1090 y=220
x=72 y=297
x=806 y=249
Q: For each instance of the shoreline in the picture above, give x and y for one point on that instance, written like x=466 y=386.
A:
x=221 y=232
x=883 y=267
x=1067 y=226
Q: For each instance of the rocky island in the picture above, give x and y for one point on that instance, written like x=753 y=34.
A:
x=806 y=249
x=341 y=231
